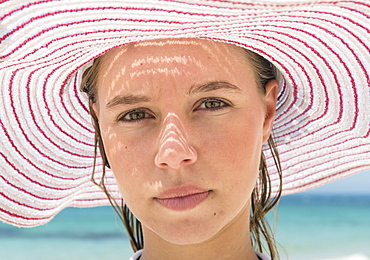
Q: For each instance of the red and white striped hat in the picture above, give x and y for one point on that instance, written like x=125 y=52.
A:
x=321 y=49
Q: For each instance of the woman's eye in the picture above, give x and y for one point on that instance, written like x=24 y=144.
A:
x=213 y=104
x=135 y=115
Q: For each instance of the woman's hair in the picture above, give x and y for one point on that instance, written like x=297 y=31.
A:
x=262 y=199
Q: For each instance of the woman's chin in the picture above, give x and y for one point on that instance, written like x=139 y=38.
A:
x=189 y=233
x=181 y=239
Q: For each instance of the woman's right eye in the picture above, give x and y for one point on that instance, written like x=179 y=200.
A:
x=134 y=116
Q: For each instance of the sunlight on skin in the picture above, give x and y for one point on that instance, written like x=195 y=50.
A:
x=164 y=71
x=173 y=145
x=113 y=64
x=178 y=142
x=156 y=185
x=164 y=65
x=163 y=62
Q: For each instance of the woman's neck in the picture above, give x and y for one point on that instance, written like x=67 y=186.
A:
x=231 y=242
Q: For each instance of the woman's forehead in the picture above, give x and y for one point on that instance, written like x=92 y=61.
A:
x=183 y=63
x=164 y=51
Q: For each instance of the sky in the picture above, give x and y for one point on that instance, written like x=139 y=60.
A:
x=355 y=184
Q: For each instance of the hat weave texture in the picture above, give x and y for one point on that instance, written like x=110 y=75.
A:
x=320 y=48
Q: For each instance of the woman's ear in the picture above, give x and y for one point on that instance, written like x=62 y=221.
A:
x=270 y=105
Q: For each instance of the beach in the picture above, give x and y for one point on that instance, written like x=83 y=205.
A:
x=310 y=227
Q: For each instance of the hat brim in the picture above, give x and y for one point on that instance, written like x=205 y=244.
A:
x=321 y=50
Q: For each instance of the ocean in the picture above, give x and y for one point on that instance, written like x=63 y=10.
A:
x=309 y=227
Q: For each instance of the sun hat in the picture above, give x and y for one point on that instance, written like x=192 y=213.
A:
x=321 y=50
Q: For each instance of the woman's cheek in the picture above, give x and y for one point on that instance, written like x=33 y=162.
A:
x=129 y=162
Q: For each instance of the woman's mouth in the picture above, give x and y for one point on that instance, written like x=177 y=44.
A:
x=184 y=198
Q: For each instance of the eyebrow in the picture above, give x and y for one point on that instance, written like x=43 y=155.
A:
x=127 y=100
x=212 y=86
x=207 y=87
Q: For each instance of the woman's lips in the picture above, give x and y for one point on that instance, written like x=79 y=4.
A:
x=184 y=198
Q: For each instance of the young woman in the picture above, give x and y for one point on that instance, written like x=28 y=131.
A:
x=181 y=123
x=184 y=96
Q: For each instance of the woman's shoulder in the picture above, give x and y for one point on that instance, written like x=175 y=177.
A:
x=137 y=255
x=262 y=256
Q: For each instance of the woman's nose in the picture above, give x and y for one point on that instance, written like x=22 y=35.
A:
x=174 y=150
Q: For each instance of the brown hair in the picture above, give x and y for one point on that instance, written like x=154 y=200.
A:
x=262 y=199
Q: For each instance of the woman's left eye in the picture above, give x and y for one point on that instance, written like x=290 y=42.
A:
x=213 y=104
x=135 y=115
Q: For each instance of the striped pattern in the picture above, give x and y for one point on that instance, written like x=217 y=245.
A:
x=321 y=49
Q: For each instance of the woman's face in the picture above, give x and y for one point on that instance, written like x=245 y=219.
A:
x=183 y=122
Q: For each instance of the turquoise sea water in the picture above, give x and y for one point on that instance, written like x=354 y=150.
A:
x=309 y=227
x=324 y=227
